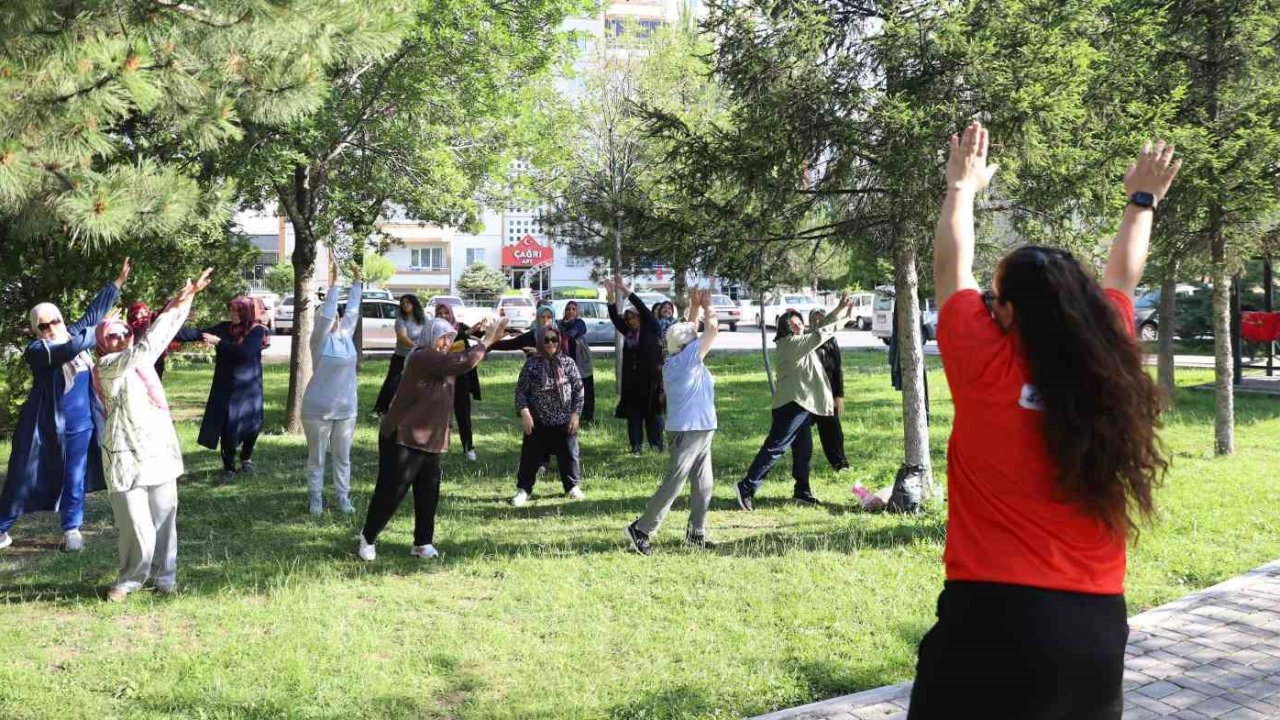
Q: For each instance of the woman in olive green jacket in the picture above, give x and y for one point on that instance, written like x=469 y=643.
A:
x=802 y=392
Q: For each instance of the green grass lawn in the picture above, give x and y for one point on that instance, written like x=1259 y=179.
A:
x=542 y=612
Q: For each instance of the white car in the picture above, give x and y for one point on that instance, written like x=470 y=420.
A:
x=652 y=298
x=595 y=313
x=461 y=311
x=862 y=313
x=518 y=310
x=727 y=311
x=284 y=316
x=779 y=303
x=882 y=324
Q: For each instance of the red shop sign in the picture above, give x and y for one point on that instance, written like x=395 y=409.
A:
x=526 y=252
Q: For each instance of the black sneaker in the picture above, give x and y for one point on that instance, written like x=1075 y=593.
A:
x=228 y=477
x=744 y=496
x=806 y=497
x=639 y=541
x=637 y=450
x=246 y=467
x=698 y=539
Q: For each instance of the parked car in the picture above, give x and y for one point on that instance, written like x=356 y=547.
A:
x=1146 y=312
x=652 y=298
x=595 y=313
x=284 y=316
x=365 y=294
x=378 y=323
x=778 y=303
x=883 y=308
x=863 y=312
x=518 y=310
x=461 y=311
x=727 y=311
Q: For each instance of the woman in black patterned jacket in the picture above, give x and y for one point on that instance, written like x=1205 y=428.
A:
x=549 y=399
x=829 y=431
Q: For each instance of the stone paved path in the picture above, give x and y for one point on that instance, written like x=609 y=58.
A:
x=1211 y=654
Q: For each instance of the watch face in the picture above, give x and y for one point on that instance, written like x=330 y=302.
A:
x=1143 y=199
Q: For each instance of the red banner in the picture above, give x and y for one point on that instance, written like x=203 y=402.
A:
x=526 y=252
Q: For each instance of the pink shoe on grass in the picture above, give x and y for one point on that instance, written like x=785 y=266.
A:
x=867 y=498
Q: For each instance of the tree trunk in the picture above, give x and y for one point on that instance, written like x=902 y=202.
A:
x=1168 y=327
x=298 y=200
x=911 y=360
x=357 y=259
x=680 y=289
x=1223 y=372
x=764 y=344
x=622 y=302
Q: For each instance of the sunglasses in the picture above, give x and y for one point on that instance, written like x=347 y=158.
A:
x=46 y=325
x=119 y=334
x=551 y=340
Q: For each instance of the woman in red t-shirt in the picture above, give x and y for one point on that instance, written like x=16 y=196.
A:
x=1052 y=463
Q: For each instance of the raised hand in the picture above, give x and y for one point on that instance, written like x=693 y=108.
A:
x=1154 y=170
x=705 y=300
x=967 y=167
x=123 y=276
x=333 y=274
x=357 y=273
x=494 y=332
x=188 y=291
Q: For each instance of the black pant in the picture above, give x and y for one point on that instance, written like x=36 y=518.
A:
x=789 y=428
x=832 y=437
x=227 y=446
x=400 y=467
x=547 y=440
x=389 y=385
x=462 y=413
x=588 y=400
x=1011 y=652
x=650 y=422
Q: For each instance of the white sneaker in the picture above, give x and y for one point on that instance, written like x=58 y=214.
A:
x=575 y=492
x=5 y=540
x=344 y=506
x=367 y=551
x=520 y=499
x=73 y=541
x=426 y=552
x=471 y=455
x=317 y=506
x=542 y=470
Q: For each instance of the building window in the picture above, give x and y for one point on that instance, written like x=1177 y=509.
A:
x=474 y=255
x=427 y=258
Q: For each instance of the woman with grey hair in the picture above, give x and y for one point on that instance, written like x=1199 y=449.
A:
x=54 y=458
x=415 y=434
x=691 y=420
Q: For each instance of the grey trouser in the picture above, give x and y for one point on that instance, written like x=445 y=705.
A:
x=331 y=437
x=147 y=520
x=690 y=459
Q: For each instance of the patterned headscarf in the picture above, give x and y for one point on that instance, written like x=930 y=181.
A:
x=247 y=314
x=146 y=372
x=439 y=327
x=137 y=323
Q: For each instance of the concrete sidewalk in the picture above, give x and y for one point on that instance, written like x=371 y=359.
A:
x=1211 y=654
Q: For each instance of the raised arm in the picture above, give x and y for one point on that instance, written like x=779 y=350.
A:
x=1146 y=184
x=351 y=315
x=166 y=325
x=325 y=314
x=711 y=324
x=805 y=343
x=967 y=174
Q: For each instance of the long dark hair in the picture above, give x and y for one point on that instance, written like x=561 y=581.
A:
x=1101 y=408
x=419 y=315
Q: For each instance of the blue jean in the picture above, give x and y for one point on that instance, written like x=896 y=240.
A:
x=75 y=468
x=790 y=429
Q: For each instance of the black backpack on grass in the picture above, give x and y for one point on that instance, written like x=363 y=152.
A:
x=908 y=490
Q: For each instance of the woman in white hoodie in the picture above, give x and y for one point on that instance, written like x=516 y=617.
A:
x=329 y=404
x=141 y=457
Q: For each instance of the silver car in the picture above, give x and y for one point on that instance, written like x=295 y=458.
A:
x=595 y=313
x=727 y=311
x=518 y=310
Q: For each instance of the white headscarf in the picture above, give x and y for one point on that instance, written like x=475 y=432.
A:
x=436 y=329
x=76 y=365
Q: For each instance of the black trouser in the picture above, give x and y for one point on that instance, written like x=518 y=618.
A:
x=400 y=467
x=227 y=446
x=1011 y=652
x=462 y=413
x=789 y=428
x=588 y=400
x=389 y=385
x=832 y=437
x=548 y=440
x=638 y=424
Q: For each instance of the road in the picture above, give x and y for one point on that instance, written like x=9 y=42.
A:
x=746 y=339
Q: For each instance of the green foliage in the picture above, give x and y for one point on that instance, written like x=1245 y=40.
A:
x=377 y=269
x=279 y=279
x=480 y=279
x=108 y=106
